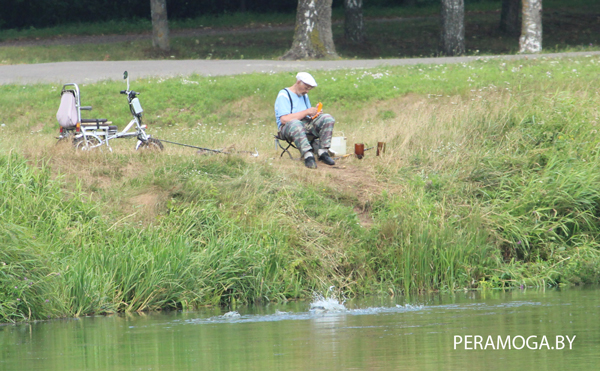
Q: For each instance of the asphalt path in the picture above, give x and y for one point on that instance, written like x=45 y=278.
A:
x=82 y=72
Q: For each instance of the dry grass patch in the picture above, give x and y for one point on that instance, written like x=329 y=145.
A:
x=148 y=204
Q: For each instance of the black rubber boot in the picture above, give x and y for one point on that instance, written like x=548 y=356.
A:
x=326 y=159
x=310 y=162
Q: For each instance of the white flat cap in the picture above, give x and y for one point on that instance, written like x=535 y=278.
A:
x=306 y=78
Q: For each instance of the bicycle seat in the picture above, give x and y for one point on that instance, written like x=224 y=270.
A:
x=94 y=121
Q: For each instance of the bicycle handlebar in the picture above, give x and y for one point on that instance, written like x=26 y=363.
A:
x=132 y=93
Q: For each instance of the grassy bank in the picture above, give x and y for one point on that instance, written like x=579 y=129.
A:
x=399 y=32
x=490 y=179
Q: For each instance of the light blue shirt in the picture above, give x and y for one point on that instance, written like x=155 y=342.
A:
x=283 y=105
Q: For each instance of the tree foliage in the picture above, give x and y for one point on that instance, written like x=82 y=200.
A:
x=48 y=13
x=21 y=14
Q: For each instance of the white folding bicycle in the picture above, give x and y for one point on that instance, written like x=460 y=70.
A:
x=92 y=133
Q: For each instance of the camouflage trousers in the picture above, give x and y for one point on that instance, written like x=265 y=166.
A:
x=303 y=132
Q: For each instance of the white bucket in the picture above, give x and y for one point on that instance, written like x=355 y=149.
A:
x=338 y=145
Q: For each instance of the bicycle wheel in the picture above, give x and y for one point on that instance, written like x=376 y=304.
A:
x=85 y=145
x=150 y=145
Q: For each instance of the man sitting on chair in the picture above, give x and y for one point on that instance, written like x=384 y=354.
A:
x=295 y=120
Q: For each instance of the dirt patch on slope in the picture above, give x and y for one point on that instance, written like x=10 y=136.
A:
x=355 y=180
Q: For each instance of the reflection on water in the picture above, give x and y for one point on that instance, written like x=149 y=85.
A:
x=372 y=334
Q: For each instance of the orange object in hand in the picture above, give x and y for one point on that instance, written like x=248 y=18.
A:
x=319 y=110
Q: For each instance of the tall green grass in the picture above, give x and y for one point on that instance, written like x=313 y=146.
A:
x=27 y=278
x=424 y=242
x=58 y=258
x=489 y=180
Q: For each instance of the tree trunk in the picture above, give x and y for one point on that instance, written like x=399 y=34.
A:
x=354 y=28
x=313 y=37
x=160 y=25
x=509 y=17
x=453 y=27
x=531 y=28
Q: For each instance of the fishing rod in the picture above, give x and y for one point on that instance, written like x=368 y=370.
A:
x=255 y=153
x=189 y=145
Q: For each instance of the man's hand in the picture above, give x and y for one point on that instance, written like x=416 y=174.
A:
x=311 y=111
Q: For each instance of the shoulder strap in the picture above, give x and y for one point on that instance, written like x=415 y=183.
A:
x=291 y=103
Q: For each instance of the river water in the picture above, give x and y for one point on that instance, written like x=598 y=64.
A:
x=518 y=329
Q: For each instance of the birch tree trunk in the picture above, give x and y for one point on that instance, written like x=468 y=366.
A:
x=160 y=25
x=509 y=17
x=354 y=28
x=313 y=37
x=531 y=27
x=453 y=27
